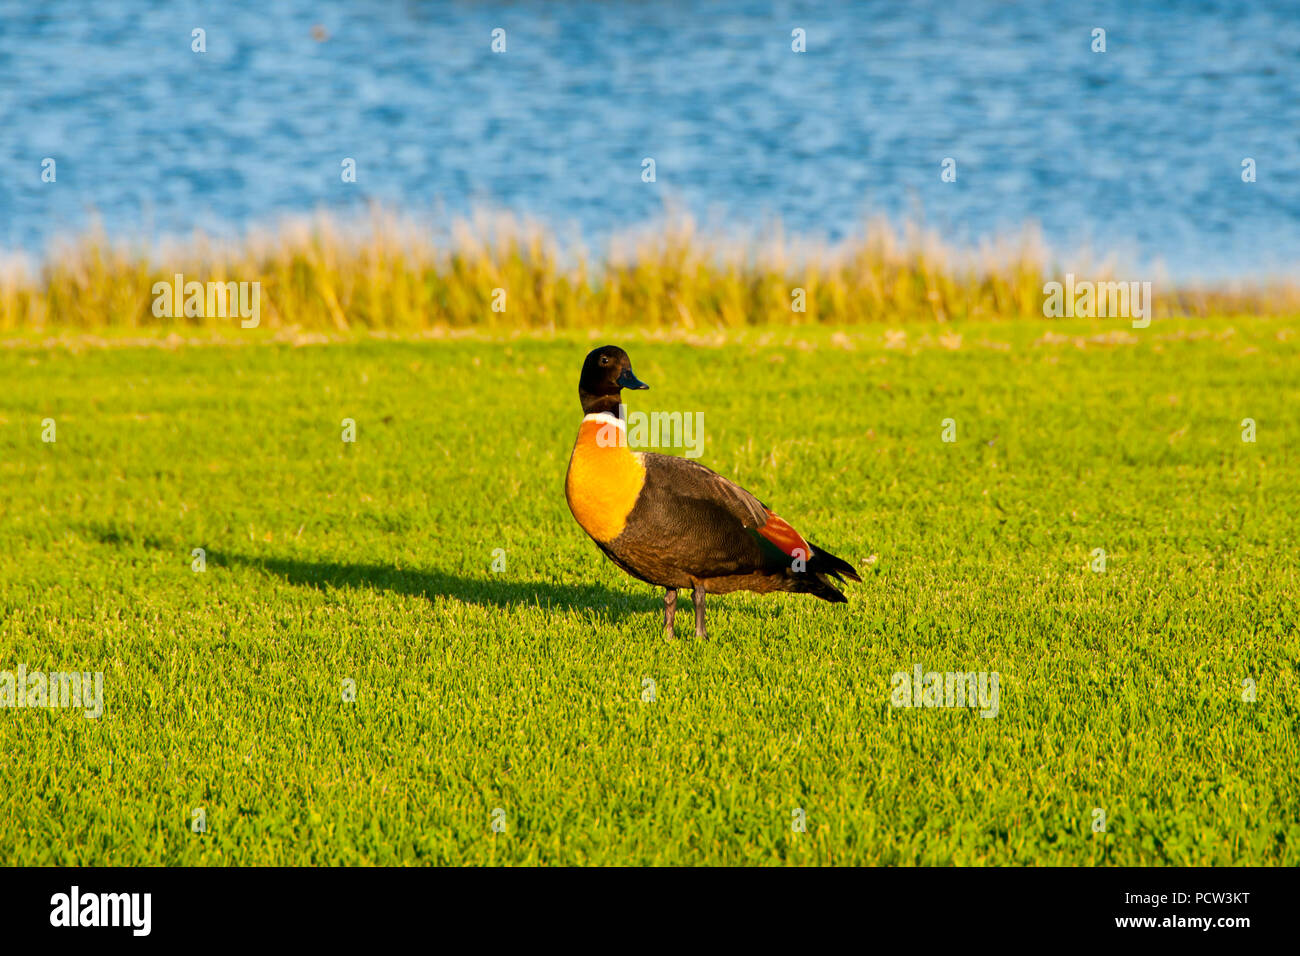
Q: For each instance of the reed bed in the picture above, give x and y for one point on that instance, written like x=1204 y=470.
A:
x=388 y=271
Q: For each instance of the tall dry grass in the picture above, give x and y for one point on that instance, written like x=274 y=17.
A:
x=386 y=271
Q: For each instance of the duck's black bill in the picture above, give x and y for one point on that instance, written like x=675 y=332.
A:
x=628 y=380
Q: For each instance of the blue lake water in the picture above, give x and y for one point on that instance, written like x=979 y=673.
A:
x=1137 y=150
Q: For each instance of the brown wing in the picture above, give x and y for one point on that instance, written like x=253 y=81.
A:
x=690 y=522
x=689 y=479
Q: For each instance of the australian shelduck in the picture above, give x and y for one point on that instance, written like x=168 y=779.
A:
x=674 y=523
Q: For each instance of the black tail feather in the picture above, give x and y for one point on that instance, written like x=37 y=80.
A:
x=823 y=562
x=819 y=585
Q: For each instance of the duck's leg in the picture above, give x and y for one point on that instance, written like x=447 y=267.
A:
x=698 y=597
x=670 y=611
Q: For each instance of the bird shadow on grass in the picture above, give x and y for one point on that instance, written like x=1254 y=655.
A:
x=431 y=583
x=428 y=583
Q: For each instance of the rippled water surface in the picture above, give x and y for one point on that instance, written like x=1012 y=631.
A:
x=1138 y=149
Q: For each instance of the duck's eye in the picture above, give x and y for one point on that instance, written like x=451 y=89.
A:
x=604 y=360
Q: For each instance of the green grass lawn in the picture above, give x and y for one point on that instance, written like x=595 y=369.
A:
x=370 y=562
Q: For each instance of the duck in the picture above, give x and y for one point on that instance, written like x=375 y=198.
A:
x=673 y=523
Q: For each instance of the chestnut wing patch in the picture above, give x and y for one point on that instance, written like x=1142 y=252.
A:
x=780 y=533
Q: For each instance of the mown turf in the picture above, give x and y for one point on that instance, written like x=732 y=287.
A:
x=523 y=690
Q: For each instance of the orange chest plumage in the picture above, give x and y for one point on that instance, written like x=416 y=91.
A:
x=605 y=478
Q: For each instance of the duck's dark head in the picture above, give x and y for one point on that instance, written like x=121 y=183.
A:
x=605 y=374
